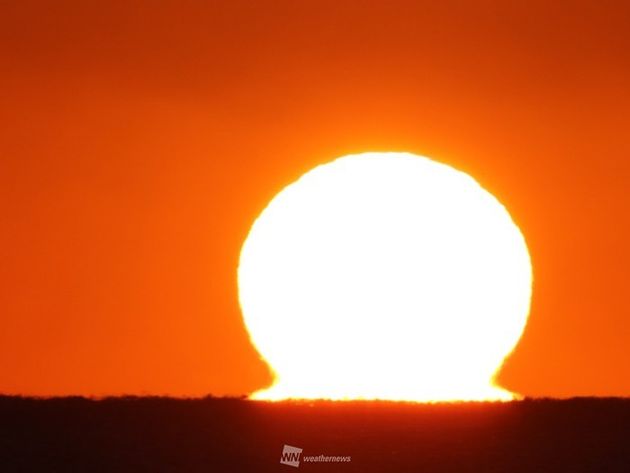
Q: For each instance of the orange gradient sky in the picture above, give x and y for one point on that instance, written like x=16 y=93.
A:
x=138 y=142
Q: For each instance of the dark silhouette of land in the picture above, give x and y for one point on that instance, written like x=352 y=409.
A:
x=231 y=435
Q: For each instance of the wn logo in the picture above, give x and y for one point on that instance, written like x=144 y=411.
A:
x=291 y=456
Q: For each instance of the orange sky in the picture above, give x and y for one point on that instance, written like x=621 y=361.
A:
x=138 y=142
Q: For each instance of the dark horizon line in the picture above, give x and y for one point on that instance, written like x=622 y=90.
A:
x=244 y=397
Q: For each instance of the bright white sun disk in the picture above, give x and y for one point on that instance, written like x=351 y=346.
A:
x=385 y=276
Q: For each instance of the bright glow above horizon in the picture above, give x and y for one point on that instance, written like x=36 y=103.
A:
x=385 y=276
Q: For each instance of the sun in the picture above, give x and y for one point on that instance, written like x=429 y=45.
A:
x=385 y=276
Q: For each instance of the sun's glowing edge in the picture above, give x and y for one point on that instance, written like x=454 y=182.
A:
x=487 y=394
